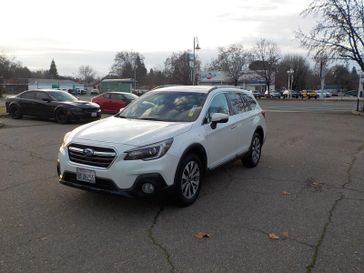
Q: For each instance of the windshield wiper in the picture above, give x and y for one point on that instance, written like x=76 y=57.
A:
x=150 y=119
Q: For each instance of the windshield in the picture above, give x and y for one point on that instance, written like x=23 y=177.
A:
x=62 y=96
x=166 y=106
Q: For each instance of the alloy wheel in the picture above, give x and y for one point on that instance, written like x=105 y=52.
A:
x=256 y=149
x=190 y=179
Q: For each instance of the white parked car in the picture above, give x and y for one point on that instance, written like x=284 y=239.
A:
x=95 y=92
x=165 y=140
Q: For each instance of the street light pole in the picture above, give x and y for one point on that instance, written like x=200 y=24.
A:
x=195 y=47
x=290 y=79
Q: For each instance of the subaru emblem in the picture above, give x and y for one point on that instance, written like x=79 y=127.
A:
x=88 y=152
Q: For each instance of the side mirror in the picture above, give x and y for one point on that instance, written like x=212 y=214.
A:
x=218 y=118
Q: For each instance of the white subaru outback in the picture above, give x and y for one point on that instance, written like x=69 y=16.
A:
x=164 y=141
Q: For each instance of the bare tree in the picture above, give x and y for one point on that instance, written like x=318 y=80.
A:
x=232 y=60
x=266 y=55
x=177 y=68
x=129 y=64
x=86 y=73
x=10 y=68
x=339 y=31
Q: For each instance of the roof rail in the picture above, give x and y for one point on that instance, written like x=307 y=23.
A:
x=212 y=89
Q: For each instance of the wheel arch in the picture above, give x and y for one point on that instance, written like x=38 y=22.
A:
x=260 y=131
x=58 y=107
x=11 y=103
x=198 y=150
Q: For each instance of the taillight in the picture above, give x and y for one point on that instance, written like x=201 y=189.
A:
x=263 y=113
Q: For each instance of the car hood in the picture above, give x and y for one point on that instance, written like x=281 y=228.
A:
x=131 y=132
x=80 y=104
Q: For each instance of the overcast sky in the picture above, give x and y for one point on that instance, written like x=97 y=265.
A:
x=77 y=33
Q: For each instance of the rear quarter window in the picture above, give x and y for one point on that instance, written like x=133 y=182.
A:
x=236 y=102
x=250 y=103
x=28 y=95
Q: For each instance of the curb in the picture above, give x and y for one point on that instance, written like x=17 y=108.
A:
x=356 y=113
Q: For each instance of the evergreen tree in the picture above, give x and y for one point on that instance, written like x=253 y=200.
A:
x=53 y=73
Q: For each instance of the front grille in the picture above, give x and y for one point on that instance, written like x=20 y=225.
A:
x=101 y=183
x=90 y=110
x=96 y=156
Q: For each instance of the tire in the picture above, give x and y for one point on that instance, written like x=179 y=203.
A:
x=188 y=180
x=61 y=116
x=251 y=159
x=15 y=112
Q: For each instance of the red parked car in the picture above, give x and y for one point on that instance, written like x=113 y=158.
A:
x=112 y=102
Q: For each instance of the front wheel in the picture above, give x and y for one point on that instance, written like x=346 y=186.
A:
x=61 y=116
x=251 y=159
x=15 y=112
x=188 y=180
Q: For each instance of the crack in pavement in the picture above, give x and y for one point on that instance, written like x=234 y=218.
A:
x=322 y=236
x=351 y=165
x=311 y=266
x=155 y=241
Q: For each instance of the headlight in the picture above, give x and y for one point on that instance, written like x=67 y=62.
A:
x=65 y=138
x=149 y=152
x=75 y=109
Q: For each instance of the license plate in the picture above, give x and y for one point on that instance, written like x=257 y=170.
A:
x=86 y=175
x=93 y=114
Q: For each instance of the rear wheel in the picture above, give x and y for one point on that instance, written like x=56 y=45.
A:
x=61 y=116
x=251 y=159
x=15 y=111
x=188 y=180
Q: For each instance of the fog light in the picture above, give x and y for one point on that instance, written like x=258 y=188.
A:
x=148 y=188
x=58 y=169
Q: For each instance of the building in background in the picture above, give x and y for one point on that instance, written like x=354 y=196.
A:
x=250 y=80
x=54 y=84
x=116 y=85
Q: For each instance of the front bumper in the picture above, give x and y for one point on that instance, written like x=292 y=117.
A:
x=84 y=115
x=108 y=186
x=122 y=177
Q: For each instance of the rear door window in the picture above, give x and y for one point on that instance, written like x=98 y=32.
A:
x=41 y=96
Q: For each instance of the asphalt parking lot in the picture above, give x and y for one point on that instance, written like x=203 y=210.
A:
x=308 y=190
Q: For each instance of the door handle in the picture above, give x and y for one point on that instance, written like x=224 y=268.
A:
x=233 y=127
